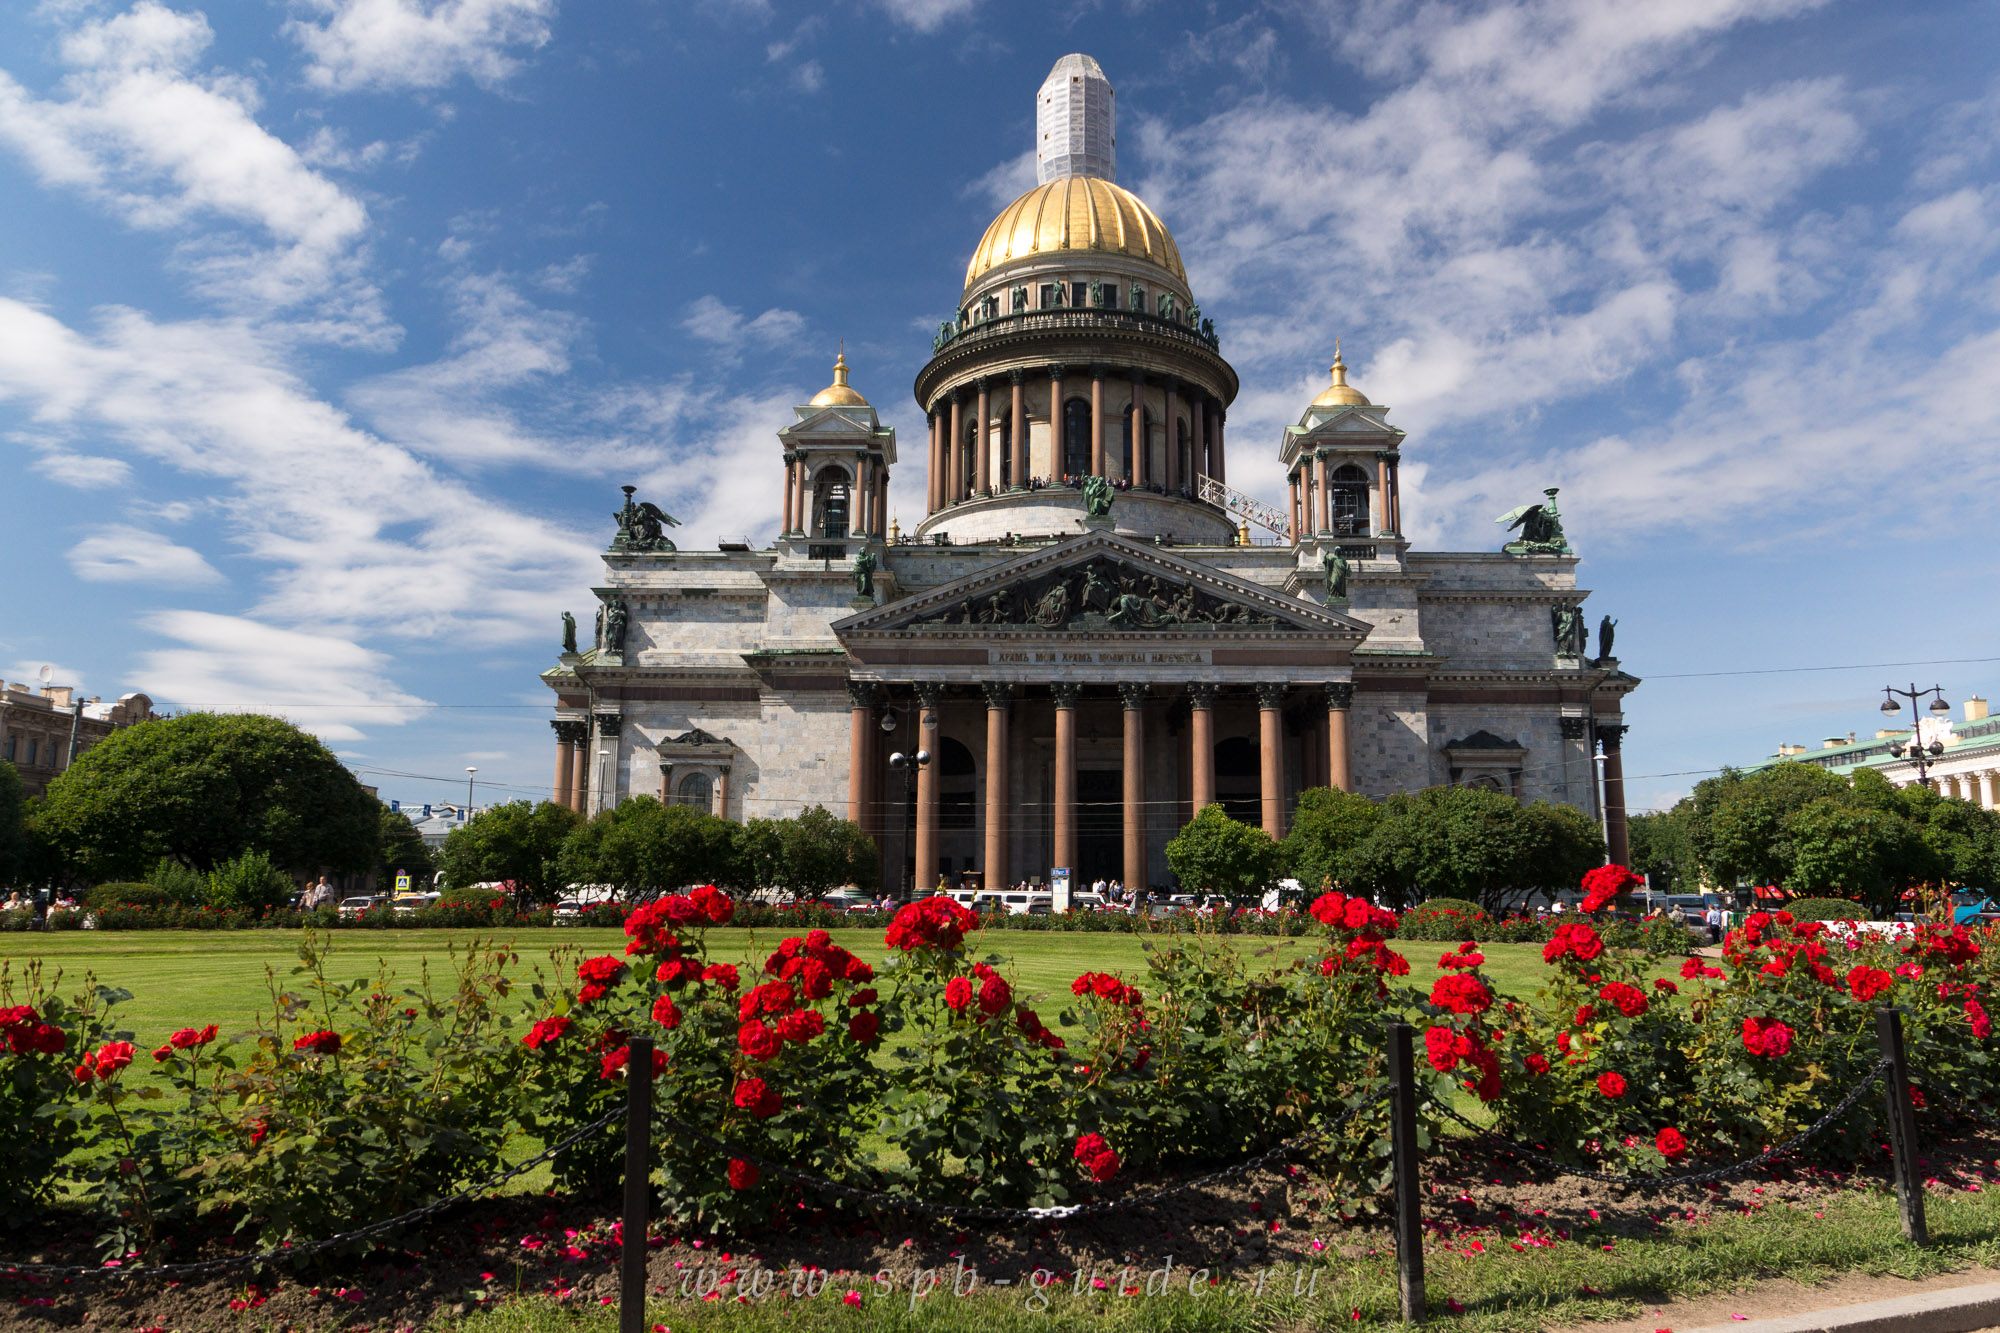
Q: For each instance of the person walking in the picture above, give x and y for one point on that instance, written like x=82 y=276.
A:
x=1712 y=918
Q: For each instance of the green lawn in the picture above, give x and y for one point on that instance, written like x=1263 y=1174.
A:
x=179 y=978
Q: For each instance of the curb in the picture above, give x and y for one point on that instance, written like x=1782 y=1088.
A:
x=1953 y=1310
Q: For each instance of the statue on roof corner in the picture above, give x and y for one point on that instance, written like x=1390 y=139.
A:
x=1096 y=497
x=1335 y=566
x=569 y=632
x=864 y=572
x=1541 y=528
x=642 y=526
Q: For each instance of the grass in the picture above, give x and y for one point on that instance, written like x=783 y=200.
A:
x=1501 y=1290
x=179 y=978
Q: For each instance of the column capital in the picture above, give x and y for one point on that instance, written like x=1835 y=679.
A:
x=609 y=724
x=1058 y=371
x=930 y=693
x=861 y=693
x=1017 y=377
x=570 y=731
x=1098 y=370
x=1611 y=735
x=1132 y=693
x=1575 y=728
x=1271 y=693
x=1201 y=694
x=1339 y=695
x=1065 y=693
x=1136 y=375
x=999 y=693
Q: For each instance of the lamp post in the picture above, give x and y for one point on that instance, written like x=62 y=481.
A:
x=903 y=764
x=469 y=771
x=1920 y=754
x=603 y=768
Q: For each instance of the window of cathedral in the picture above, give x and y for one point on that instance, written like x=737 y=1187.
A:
x=831 y=497
x=1076 y=438
x=1048 y=296
x=697 y=790
x=1079 y=295
x=1349 y=496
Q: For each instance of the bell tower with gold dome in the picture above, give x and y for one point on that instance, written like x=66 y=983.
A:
x=837 y=459
x=1076 y=350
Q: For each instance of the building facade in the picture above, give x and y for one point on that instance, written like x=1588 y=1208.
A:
x=1965 y=765
x=43 y=729
x=1081 y=633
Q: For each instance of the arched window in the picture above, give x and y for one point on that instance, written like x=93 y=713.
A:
x=832 y=493
x=1076 y=438
x=1349 y=495
x=697 y=790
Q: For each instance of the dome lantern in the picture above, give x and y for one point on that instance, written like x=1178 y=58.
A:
x=838 y=393
x=1340 y=393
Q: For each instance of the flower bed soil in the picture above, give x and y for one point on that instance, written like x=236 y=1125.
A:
x=1475 y=1199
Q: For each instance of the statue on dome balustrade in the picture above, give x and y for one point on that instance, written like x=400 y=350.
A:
x=1019 y=299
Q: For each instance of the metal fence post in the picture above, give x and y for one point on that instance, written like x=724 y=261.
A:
x=1902 y=1125
x=638 y=1184
x=1403 y=1159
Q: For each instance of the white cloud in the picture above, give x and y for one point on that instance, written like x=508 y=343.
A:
x=928 y=15
x=164 y=147
x=809 y=77
x=83 y=471
x=324 y=682
x=1005 y=183
x=713 y=322
x=396 y=44
x=133 y=555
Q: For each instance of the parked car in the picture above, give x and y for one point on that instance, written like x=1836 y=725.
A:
x=568 y=912
x=411 y=902
x=351 y=907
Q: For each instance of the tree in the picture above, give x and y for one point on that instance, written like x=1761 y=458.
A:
x=641 y=849
x=1326 y=828
x=403 y=849
x=1217 y=854
x=1473 y=843
x=1662 y=850
x=204 y=788
x=818 y=851
x=1737 y=823
x=13 y=826
x=1842 y=849
x=1962 y=840
x=519 y=841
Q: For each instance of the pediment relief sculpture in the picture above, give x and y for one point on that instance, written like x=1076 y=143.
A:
x=1100 y=595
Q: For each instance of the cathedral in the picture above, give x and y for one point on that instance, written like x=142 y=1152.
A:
x=1090 y=635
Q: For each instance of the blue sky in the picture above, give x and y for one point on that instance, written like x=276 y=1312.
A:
x=329 y=328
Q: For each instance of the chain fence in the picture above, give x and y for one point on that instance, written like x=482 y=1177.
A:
x=1688 y=1178
x=306 y=1249
x=991 y=1213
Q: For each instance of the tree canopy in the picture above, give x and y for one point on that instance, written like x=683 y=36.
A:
x=518 y=841
x=810 y=854
x=13 y=825
x=1214 y=853
x=403 y=849
x=1472 y=843
x=641 y=848
x=1662 y=851
x=204 y=788
x=1327 y=827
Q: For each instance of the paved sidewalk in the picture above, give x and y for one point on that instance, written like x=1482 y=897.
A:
x=1956 y=1310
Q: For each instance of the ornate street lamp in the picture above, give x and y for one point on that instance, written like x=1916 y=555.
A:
x=1920 y=754
x=903 y=764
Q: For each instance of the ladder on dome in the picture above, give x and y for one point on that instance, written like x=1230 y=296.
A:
x=1243 y=506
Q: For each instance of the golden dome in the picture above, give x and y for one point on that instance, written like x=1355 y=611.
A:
x=1340 y=393
x=838 y=394
x=1076 y=213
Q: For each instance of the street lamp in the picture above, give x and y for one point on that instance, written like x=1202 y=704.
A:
x=903 y=763
x=603 y=765
x=1920 y=754
x=469 y=771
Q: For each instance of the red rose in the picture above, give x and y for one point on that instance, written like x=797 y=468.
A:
x=723 y=975
x=1975 y=1014
x=957 y=994
x=1537 y=1063
x=187 y=1038
x=994 y=996
x=1462 y=994
x=1097 y=1157
x=1445 y=1047
x=863 y=1027
x=1766 y=1037
x=1611 y=1085
x=1631 y=1001
x=319 y=1043
x=758 y=1041
x=801 y=1025
x=756 y=1097
x=1671 y=1144
x=1662 y=984
x=1572 y=940
x=665 y=1014
x=1584 y=1013
x=547 y=1031
x=1868 y=982
x=742 y=1175
x=616 y=1062
x=866 y=995
x=934 y=923
x=602 y=971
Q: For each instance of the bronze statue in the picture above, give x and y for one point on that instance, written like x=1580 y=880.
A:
x=864 y=573
x=614 y=626
x=1334 y=565
x=1096 y=592
x=1605 y=629
x=569 y=633
x=1097 y=495
x=1097 y=295
x=1570 y=633
x=1020 y=299
x=1053 y=608
x=1541 y=528
x=642 y=526
x=598 y=642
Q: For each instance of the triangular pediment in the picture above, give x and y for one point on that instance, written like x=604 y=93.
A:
x=1101 y=584
x=826 y=422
